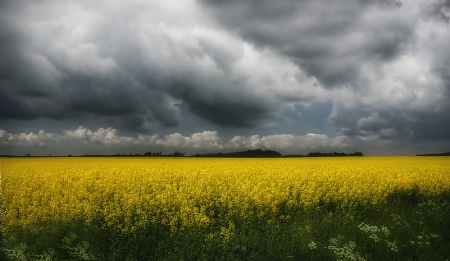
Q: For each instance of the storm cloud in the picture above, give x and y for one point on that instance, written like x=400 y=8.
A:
x=328 y=40
x=136 y=63
x=259 y=70
x=383 y=58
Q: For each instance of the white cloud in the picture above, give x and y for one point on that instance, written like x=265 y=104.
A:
x=206 y=141
x=109 y=141
x=289 y=143
x=102 y=135
x=39 y=139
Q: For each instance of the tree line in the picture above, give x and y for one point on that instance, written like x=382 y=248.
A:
x=255 y=153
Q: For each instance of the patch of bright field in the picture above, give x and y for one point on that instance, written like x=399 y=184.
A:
x=214 y=200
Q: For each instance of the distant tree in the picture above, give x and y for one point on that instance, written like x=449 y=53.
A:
x=436 y=154
x=178 y=154
x=333 y=154
x=257 y=153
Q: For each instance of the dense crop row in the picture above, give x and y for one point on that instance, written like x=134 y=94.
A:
x=122 y=208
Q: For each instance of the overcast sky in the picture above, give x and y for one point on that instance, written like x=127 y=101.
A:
x=107 y=77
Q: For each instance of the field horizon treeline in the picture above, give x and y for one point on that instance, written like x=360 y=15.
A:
x=252 y=153
x=351 y=208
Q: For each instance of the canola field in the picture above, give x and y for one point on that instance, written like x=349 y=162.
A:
x=151 y=208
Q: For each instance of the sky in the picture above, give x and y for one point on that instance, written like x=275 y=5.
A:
x=199 y=76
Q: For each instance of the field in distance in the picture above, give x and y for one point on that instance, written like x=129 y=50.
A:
x=352 y=208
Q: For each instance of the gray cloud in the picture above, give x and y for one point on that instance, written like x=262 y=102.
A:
x=385 y=62
x=328 y=40
x=134 y=63
x=229 y=111
x=439 y=9
x=59 y=71
x=237 y=66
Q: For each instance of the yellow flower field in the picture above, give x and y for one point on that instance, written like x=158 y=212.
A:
x=212 y=195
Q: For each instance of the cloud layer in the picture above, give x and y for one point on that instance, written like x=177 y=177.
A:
x=108 y=141
x=383 y=61
x=138 y=64
x=238 y=66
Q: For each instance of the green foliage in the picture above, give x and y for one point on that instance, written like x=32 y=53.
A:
x=17 y=253
x=78 y=250
x=344 y=250
x=400 y=233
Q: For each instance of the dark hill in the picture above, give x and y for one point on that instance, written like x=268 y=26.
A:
x=258 y=153
x=333 y=154
x=437 y=154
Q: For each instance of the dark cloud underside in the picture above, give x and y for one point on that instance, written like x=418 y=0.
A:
x=83 y=59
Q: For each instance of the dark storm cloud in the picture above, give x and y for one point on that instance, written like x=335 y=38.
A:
x=135 y=66
x=384 y=62
x=382 y=67
x=231 y=113
x=381 y=124
x=439 y=9
x=329 y=40
x=224 y=103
